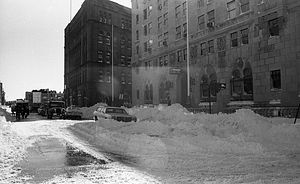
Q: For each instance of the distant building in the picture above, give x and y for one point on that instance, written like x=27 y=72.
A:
x=98 y=55
x=251 y=46
x=2 y=94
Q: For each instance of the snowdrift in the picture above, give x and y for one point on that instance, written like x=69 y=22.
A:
x=171 y=129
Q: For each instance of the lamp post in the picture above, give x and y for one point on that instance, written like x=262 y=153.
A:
x=188 y=103
x=112 y=64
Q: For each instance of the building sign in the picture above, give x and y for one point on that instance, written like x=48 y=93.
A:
x=175 y=71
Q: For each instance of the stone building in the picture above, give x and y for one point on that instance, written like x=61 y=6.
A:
x=98 y=55
x=251 y=46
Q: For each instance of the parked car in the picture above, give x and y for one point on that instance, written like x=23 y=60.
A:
x=116 y=113
x=41 y=111
x=72 y=112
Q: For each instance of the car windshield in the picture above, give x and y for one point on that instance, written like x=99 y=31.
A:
x=115 y=110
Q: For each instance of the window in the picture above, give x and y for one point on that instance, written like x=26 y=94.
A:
x=159 y=22
x=275 y=79
x=145 y=30
x=122 y=42
x=203 y=49
x=100 y=56
x=184 y=9
x=211 y=16
x=205 y=91
x=184 y=27
x=146 y=65
x=159 y=40
x=137 y=94
x=145 y=47
x=166 y=38
x=231 y=8
x=236 y=82
x=100 y=37
x=244 y=5
x=129 y=79
x=149 y=27
x=234 y=39
x=274 y=27
x=100 y=16
x=145 y=14
x=149 y=10
x=101 y=76
x=108 y=58
x=128 y=61
x=108 y=39
x=162 y=92
x=244 y=33
x=179 y=55
x=248 y=84
x=166 y=60
x=165 y=19
x=161 y=61
x=123 y=78
x=242 y=84
x=108 y=77
x=137 y=19
x=177 y=12
x=201 y=22
x=137 y=34
x=211 y=46
x=200 y=3
x=178 y=32
x=185 y=54
x=159 y=6
x=122 y=60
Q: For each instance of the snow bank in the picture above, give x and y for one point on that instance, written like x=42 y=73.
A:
x=88 y=111
x=163 y=129
x=12 y=150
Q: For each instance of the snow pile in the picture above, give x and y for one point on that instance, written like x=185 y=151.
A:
x=170 y=138
x=88 y=111
x=12 y=150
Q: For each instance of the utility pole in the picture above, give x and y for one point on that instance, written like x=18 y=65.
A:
x=188 y=103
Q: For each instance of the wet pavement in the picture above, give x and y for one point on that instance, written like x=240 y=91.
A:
x=51 y=156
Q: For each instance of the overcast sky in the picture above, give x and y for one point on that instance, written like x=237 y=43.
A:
x=32 y=44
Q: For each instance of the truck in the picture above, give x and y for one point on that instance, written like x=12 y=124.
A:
x=54 y=108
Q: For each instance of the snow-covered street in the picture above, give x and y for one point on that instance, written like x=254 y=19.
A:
x=166 y=145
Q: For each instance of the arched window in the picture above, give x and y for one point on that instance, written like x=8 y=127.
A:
x=242 y=84
x=207 y=89
x=162 y=91
x=147 y=93
x=248 y=82
x=236 y=82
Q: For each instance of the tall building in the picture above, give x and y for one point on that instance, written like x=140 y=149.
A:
x=251 y=46
x=98 y=55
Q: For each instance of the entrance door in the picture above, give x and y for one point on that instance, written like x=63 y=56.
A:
x=182 y=89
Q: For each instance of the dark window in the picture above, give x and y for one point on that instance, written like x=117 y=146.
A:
x=203 y=49
x=234 y=39
x=248 y=84
x=137 y=35
x=244 y=33
x=211 y=46
x=138 y=94
x=179 y=55
x=145 y=14
x=145 y=30
x=236 y=82
x=275 y=79
x=137 y=19
x=178 y=32
x=274 y=27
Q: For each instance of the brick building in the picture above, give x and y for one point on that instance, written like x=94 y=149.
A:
x=98 y=54
x=253 y=46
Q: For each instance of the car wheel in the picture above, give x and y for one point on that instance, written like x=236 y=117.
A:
x=96 y=118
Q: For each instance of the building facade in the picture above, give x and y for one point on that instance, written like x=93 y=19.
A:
x=98 y=55
x=251 y=46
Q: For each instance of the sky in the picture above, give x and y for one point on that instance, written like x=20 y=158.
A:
x=32 y=44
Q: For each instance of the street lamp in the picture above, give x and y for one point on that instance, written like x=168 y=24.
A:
x=188 y=103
